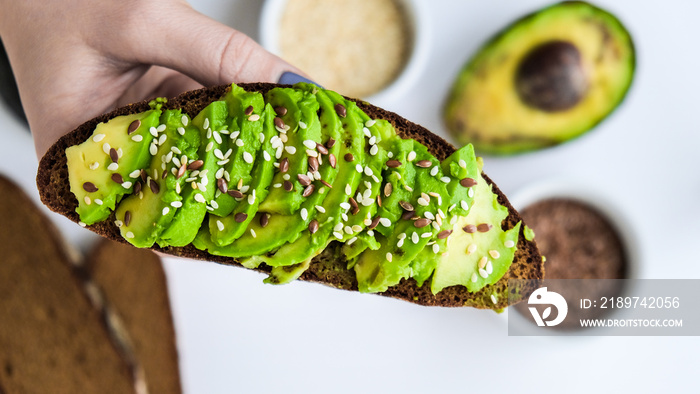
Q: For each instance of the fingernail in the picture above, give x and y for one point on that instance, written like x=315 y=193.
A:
x=290 y=78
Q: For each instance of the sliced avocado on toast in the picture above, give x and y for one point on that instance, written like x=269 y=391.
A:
x=545 y=79
x=376 y=204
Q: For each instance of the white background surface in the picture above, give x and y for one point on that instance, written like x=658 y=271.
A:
x=237 y=335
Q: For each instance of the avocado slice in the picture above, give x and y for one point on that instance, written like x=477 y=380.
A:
x=379 y=269
x=201 y=183
x=281 y=229
x=224 y=230
x=144 y=215
x=480 y=253
x=99 y=168
x=297 y=127
x=546 y=79
x=341 y=125
x=239 y=150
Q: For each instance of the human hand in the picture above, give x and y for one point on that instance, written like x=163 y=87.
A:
x=76 y=59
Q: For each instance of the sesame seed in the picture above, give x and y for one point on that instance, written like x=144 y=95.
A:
x=185 y=120
x=436 y=248
x=415 y=238
x=205 y=124
x=113 y=166
x=386 y=222
x=483 y=273
x=426 y=235
x=302 y=125
x=215 y=205
x=494 y=254
x=290 y=149
x=311 y=153
x=251 y=198
x=373 y=140
x=126 y=185
x=489 y=268
x=162 y=139
x=277 y=185
x=367 y=222
x=494 y=299
x=351 y=240
x=248 y=157
x=278 y=153
x=222 y=162
x=176 y=204
x=411 y=156
x=266 y=156
x=368 y=171
x=445 y=179
x=240 y=143
x=285 y=177
x=409 y=188
x=338 y=234
x=210 y=146
x=400 y=243
x=373 y=150
x=234 y=135
x=199 y=198
x=358 y=168
x=217 y=137
x=471 y=248
x=261 y=136
x=243 y=189
x=370 y=123
x=368 y=134
x=177 y=190
x=106 y=148
x=464 y=205
x=344 y=216
x=429 y=215
x=252 y=232
x=462 y=163
x=220 y=225
x=166 y=210
x=94 y=166
x=82 y=224
x=137 y=138
x=304 y=214
x=370 y=233
x=345 y=205
x=348 y=230
x=389 y=257
x=390 y=155
x=98 y=201
x=309 y=144
x=434 y=171
x=348 y=190
x=218 y=154
x=482 y=262
x=153 y=131
x=470 y=193
x=129 y=234
x=254 y=118
x=474 y=277
x=219 y=173
x=422 y=201
x=509 y=244
x=320 y=209
x=98 y=137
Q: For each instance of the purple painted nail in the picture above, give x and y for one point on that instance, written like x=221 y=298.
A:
x=290 y=78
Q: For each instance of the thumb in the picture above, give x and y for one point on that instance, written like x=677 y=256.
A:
x=178 y=37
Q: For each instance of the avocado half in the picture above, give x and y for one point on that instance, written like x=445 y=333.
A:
x=547 y=78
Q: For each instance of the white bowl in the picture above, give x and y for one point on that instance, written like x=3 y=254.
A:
x=270 y=21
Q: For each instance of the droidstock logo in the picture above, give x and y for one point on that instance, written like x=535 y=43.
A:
x=543 y=297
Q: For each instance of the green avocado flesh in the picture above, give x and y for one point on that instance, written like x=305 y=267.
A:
x=545 y=79
x=275 y=179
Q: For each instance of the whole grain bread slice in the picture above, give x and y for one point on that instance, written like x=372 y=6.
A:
x=329 y=267
x=134 y=283
x=52 y=337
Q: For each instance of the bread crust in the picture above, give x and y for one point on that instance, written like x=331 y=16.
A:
x=327 y=268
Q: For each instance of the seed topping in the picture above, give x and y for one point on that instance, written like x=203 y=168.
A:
x=467 y=182
x=90 y=187
x=341 y=110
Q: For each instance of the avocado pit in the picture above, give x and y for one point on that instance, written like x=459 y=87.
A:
x=551 y=77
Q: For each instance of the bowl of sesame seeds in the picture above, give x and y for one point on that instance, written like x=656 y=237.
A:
x=370 y=49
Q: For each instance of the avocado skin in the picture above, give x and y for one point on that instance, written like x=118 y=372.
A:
x=517 y=142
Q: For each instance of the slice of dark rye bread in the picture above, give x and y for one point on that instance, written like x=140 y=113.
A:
x=52 y=337
x=134 y=282
x=328 y=267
